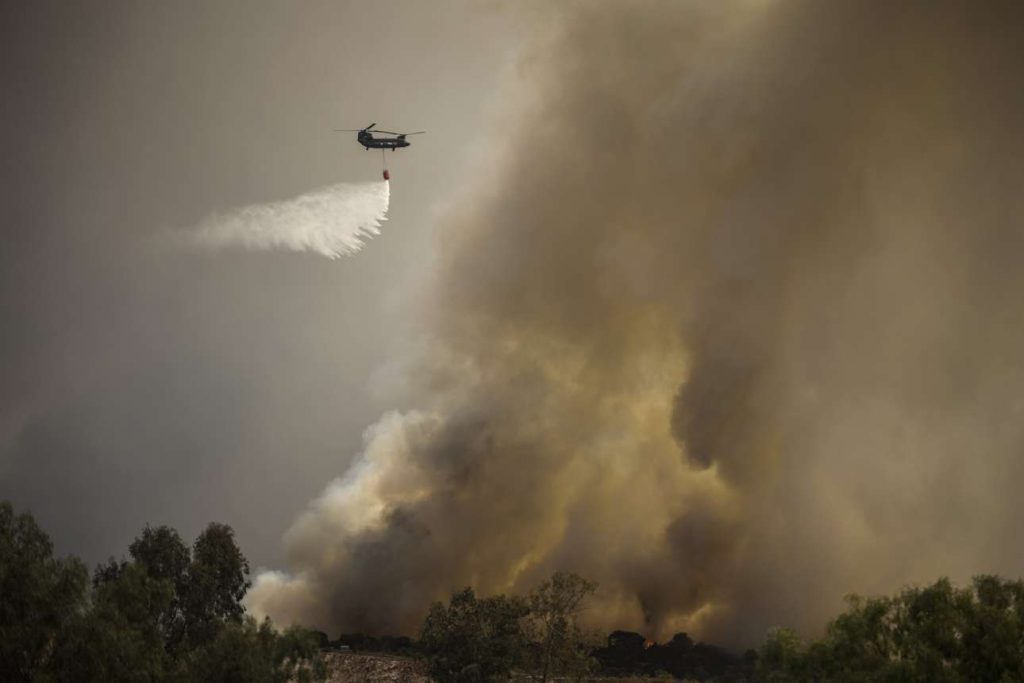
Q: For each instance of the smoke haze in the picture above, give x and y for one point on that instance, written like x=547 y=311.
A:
x=143 y=382
x=733 y=327
x=333 y=221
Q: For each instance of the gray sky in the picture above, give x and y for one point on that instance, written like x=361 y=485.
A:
x=140 y=385
x=716 y=303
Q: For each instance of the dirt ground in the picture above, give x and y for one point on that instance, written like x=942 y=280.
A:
x=353 y=667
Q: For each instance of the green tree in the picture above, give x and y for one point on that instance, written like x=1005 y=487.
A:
x=936 y=633
x=217 y=580
x=781 y=658
x=168 y=614
x=562 y=647
x=244 y=652
x=471 y=640
x=121 y=638
x=993 y=645
x=163 y=555
x=39 y=595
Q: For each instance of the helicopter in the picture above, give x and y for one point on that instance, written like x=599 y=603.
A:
x=365 y=138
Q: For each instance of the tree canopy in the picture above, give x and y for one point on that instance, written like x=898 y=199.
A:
x=173 y=612
x=39 y=595
x=473 y=639
x=935 y=633
x=562 y=646
x=169 y=613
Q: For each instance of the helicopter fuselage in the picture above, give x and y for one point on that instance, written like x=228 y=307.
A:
x=367 y=140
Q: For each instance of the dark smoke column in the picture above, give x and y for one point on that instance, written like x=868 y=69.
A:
x=734 y=332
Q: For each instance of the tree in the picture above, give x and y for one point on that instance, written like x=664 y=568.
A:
x=472 y=640
x=935 y=633
x=781 y=657
x=121 y=638
x=562 y=647
x=163 y=555
x=245 y=652
x=167 y=614
x=217 y=580
x=297 y=654
x=108 y=572
x=39 y=595
x=994 y=642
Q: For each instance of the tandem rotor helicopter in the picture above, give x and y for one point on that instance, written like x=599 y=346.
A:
x=365 y=138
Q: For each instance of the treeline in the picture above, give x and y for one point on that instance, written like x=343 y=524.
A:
x=168 y=612
x=941 y=633
x=630 y=654
x=172 y=612
x=539 y=636
x=484 y=639
x=938 y=633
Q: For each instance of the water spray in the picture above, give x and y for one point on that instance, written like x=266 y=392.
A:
x=333 y=221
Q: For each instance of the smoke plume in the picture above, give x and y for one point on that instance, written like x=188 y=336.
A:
x=736 y=329
x=333 y=221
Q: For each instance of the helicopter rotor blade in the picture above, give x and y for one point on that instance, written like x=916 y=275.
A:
x=385 y=132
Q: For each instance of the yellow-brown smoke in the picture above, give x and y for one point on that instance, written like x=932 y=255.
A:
x=735 y=328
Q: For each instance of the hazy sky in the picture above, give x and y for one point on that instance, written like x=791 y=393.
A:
x=140 y=385
x=716 y=303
